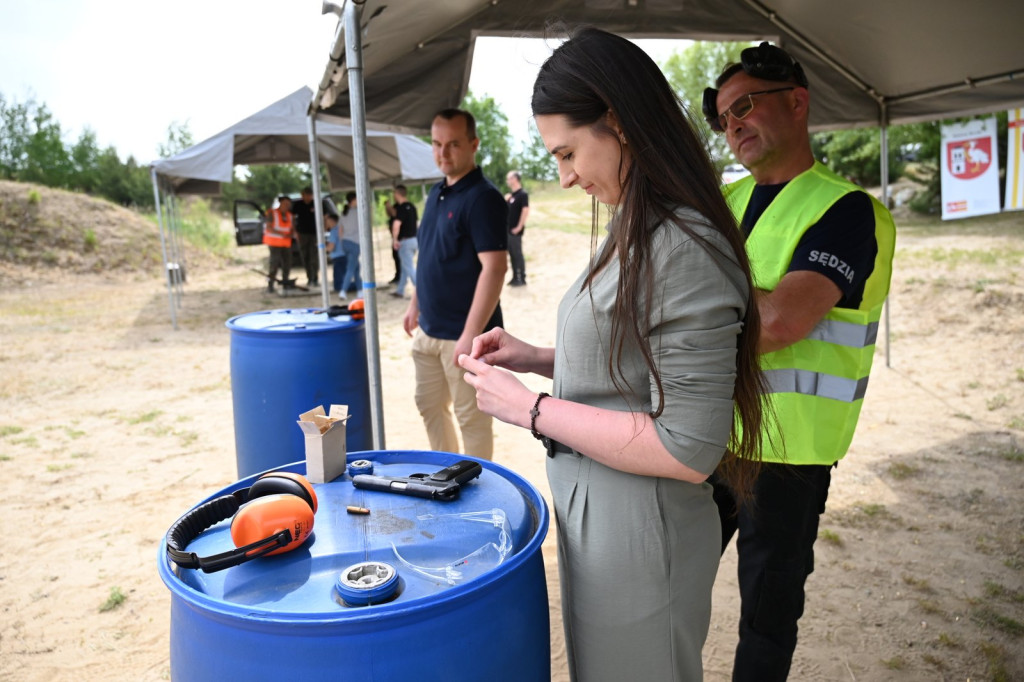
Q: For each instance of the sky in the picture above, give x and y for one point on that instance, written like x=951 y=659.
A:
x=129 y=69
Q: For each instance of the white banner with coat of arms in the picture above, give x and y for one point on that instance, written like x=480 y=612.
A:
x=970 y=169
x=1014 y=160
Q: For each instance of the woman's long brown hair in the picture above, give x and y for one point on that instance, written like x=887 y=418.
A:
x=588 y=76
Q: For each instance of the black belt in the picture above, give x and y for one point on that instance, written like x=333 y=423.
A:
x=553 y=447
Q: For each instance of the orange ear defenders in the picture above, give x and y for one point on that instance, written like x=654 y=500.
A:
x=272 y=516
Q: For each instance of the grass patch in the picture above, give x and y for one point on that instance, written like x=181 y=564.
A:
x=10 y=431
x=901 y=470
x=995 y=657
x=114 y=599
x=920 y=584
x=873 y=510
x=988 y=617
x=147 y=417
x=54 y=468
x=201 y=227
x=830 y=536
x=996 y=401
x=994 y=589
x=949 y=641
x=894 y=663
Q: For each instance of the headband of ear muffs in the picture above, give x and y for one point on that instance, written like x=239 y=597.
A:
x=272 y=516
x=767 y=62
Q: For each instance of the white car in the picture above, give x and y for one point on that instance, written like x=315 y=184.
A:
x=733 y=172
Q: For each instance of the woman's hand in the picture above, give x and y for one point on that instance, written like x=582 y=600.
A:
x=498 y=393
x=500 y=349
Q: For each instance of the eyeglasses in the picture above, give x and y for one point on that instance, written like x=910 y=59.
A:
x=765 y=62
x=740 y=109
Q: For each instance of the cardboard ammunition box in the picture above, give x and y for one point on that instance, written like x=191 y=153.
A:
x=325 y=442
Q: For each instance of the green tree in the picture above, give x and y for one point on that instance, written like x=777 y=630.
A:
x=46 y=158
x=179 y=138
x=14 y=135
x=85 y=156
x=265 y=182
x=495 y=153
x=534 y=162
x=694 y=68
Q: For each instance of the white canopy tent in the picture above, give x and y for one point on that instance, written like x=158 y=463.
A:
x=283 y=133
x=872 y=62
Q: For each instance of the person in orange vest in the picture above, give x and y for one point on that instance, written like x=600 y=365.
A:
x=277 y=234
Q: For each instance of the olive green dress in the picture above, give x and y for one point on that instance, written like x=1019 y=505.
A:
x=638 y=554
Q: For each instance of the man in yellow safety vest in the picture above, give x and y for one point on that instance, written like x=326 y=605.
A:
x=820 y=252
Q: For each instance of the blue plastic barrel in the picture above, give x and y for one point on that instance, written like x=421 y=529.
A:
x=284 y=617
x=284 y=363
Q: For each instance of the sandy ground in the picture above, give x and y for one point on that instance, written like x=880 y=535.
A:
x=112 y=424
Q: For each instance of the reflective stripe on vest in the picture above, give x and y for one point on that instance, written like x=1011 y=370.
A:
x=845 y=333
x=278 y=230
x=817 y=384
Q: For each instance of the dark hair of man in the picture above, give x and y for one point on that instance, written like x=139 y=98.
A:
x=348 y=202
x=401 y=189
x=452 y=114
x=595 y=72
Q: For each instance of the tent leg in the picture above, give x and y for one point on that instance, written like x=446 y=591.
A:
x=163 y=245
x=318 y=208
x=354 y=59
x=884 y=172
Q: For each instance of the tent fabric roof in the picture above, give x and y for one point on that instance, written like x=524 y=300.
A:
x=279 y=134
x=923 y=60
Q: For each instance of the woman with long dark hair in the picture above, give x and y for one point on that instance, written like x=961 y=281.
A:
x=655 y=376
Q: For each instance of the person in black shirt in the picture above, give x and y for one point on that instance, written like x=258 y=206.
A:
x=518 y=210
x=305 y=231
x=403 y=239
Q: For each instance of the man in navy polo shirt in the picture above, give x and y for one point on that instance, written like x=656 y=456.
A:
x=459 y=275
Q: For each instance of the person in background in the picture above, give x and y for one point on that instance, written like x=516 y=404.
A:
x=349 y=228
x=461 y=269
x=335 y=253
x=821 y=250
x=389 y=209
x=277 y=235
x=518 y=210
x=654 y=368
x=403 y=238
x=305 y=232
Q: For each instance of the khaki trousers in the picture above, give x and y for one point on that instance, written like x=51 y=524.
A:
x=439 y=388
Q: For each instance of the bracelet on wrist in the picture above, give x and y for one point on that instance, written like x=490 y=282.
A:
x=534 y=413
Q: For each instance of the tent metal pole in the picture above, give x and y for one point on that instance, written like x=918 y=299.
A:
x=884 y=173
x=175 y=246
x=163 y=244
x=354 y=58
x=318 y=208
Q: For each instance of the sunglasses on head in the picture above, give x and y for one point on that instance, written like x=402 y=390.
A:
x=765 y=62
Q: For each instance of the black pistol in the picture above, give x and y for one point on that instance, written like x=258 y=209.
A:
x=442 y=485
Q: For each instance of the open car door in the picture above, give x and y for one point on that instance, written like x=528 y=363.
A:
x=249 y=219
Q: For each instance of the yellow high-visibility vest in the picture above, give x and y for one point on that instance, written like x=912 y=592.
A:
x=817 y=384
